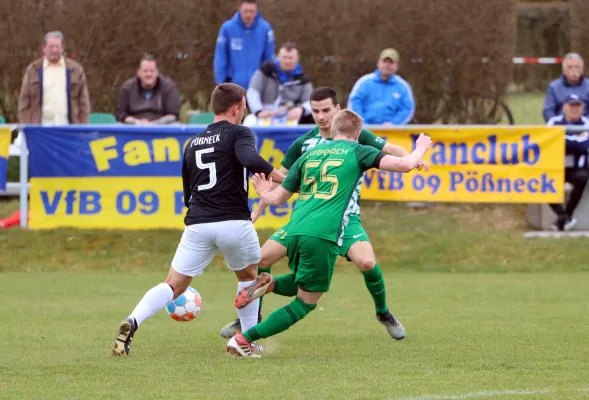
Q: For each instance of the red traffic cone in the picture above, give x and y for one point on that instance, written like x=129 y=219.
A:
x=13 y=220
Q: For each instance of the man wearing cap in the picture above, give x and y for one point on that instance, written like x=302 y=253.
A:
x=576 y=171
x=572 y=81
x=383 y=97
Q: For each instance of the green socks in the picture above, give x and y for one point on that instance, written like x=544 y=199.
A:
x=260 y=270
x=280 y=320
x=375 y=285
x=285 y=285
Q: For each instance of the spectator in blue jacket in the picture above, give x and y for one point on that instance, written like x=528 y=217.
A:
x=244 y=43
x=383 y=97
x=572 y=81
x=576 y=171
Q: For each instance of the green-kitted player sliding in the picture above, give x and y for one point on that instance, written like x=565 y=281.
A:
x=327 y=177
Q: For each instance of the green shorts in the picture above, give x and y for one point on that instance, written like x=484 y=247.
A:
x=281 y=236
x=312 y=261
x=353 y=233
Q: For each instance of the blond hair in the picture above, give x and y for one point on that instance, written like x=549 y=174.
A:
x=346 y=123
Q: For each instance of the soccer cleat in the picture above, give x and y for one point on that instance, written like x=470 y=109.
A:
x=263 y=284
x=229 y=330
x=394 y=327
x=570 y=223
x=257 y=347
x=239 y=346
x=564 y=223
x=122 y=344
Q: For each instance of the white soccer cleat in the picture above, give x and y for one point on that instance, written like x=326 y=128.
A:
x=239 y=346
x=394 y=327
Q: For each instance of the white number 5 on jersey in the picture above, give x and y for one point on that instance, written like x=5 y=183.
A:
x=210 y=166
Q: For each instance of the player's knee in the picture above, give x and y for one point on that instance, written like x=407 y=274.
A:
x=365 y=264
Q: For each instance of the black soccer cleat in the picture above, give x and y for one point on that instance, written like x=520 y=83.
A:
x=394 y=327
x=231 y=329
x=234 y=327
x=122 y=343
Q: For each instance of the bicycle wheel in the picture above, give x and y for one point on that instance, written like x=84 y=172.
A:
x=484 y=108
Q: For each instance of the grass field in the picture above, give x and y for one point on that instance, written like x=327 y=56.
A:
x=467 y=333
x=488 y=315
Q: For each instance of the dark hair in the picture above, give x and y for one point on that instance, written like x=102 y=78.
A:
x=225 y=96
x=146 y=57
x=289 y=46
x=247 y=1
x=323 y=93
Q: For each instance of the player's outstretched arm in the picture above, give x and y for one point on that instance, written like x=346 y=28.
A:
x=276 y=176
x=409 y=162
x=248 y=157
x=272 y=197
x=262 y=204
x=394 y=150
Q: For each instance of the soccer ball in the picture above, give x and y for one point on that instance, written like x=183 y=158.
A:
x=186 y=306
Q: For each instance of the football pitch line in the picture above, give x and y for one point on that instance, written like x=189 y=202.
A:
x=493 y=393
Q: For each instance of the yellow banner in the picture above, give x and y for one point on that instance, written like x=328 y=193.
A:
x=5 y=137
x=121 y=203
x=487 y=164
x=477 y=165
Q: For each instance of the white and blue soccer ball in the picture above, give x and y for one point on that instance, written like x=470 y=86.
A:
x=186 y=306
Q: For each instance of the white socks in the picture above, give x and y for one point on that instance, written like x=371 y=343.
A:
x=248 y=316
x=153 y=301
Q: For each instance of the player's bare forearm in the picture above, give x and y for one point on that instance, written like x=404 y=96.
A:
x=271 y=197
x=262 y=204
x=276 y=197
x=409 y=162
x=394 y=150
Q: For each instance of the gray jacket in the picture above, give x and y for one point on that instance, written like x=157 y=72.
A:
x=266 y=92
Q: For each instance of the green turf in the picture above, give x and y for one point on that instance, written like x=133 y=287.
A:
x=527 y=108
x=495 y=315
x=467 y=333
x=442 y=238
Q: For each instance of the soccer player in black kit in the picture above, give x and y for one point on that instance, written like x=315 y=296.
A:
x=215 y=171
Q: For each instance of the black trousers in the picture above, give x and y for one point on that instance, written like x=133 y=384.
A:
x=577 y=177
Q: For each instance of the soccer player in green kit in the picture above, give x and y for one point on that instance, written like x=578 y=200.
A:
x=327 y=177
x=355 y=246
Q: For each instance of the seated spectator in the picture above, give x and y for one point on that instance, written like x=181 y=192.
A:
x=149 y=98
x=572 y=81
x=280 y=89
x=383 y=97
x=576 y=171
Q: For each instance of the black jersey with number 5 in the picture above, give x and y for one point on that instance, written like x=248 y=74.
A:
x=215 y=172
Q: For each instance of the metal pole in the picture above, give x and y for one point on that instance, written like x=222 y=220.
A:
x=24 y=181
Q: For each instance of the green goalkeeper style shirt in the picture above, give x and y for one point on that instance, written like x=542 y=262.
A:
x=313 y=138
x=327 y=176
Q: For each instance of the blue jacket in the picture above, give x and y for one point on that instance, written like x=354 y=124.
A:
x=558 y=91
x=378 y=101
x=577 y=143
x=240 y=50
